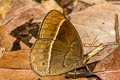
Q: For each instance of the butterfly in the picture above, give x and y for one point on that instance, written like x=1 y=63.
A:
x=58 y=48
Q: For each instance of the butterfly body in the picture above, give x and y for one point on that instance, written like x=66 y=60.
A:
x=58 y=49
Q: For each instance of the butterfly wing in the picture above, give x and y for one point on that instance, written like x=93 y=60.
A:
x=58 y=48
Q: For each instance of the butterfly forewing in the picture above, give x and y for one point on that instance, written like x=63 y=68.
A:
x=58 y=48
x=51 y=25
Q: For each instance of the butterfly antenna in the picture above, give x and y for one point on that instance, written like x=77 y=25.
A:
x=95 y=51
x=89 y=54
x=92 y=44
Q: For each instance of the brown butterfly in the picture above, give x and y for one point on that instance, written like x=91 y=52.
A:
x=59 y=48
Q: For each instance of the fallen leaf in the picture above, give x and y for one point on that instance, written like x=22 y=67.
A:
x=17 y=17
x=6 y=41
x=94 y=1
x=16 y=59
x=108 y=68
x=99 y=24
x=103 y=54
x=5 y=6
x=51 y=5
x=17 y=74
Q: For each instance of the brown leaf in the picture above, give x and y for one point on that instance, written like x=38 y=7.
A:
x=84 y=4
x=5 y=6
x=6 y=40
x=108 y=68
x=23 y=15
x=114 y=1
x=103 y=54
x=16 y=5
x=51 y=5
x=79 y=79
x=94 y=1
x=16 y=59
x=19 y=14
x=24 y=74
x=16 y=74
x=99 y=22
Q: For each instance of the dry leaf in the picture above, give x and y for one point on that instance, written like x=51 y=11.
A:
x=79 y=79
x=108 y=68
x=84 y=4
x=103 y=54
x=17 y=74
x=16 y=59
x=51 y=5
x=24 y=74
x=93 y=1
x=5 y=40
x=5 y=6
x=16 y=5
x=114 y=1
x=17 y=17
x=98 y=23
x=2 y=51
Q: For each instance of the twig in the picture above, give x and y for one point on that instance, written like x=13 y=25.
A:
x=117 y=28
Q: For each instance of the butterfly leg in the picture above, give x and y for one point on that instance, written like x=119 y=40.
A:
x=88 y=68
x=75 y=70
